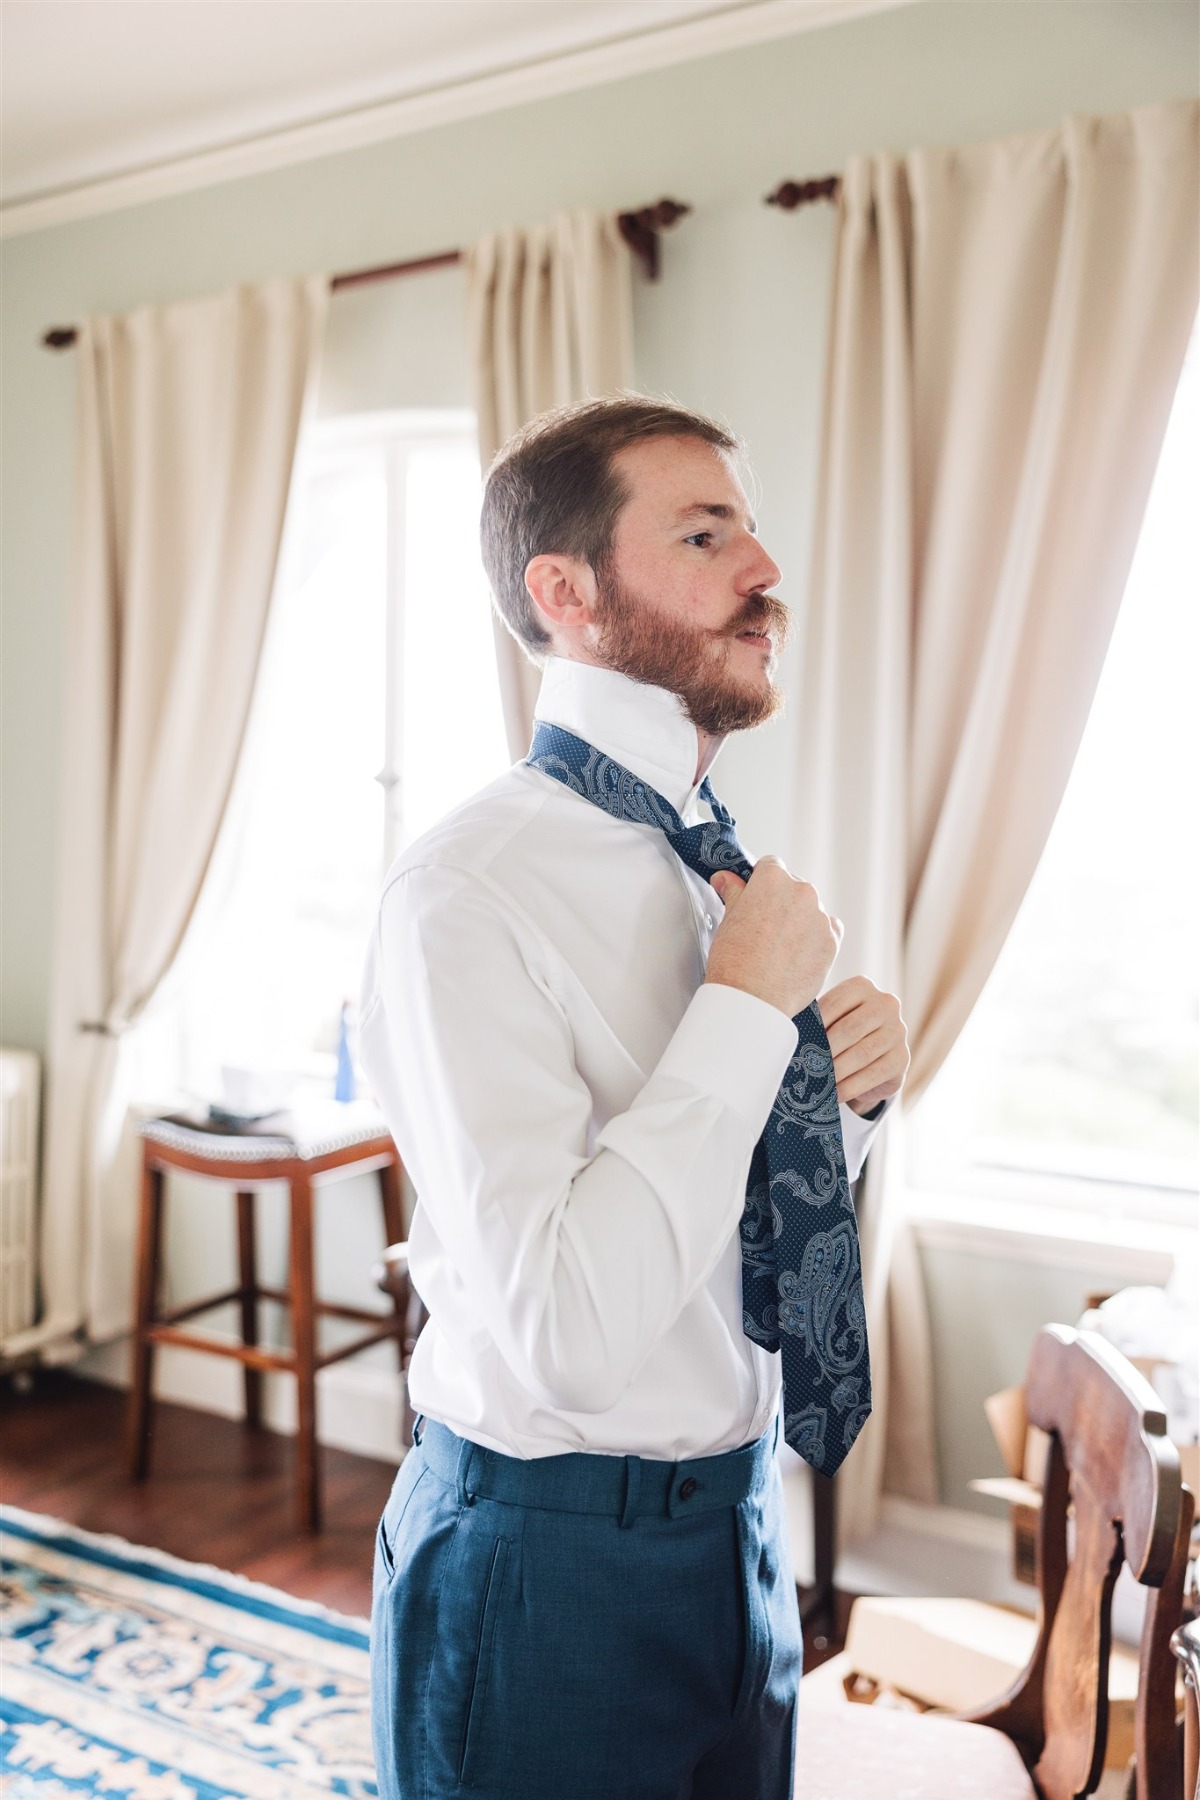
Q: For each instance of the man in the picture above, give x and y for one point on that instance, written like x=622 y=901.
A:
x=583 y=1588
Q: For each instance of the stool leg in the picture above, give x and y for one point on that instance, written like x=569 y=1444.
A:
x=149 y=1252
x=248 y=1276
x=393 y=1233
x=304 y=1349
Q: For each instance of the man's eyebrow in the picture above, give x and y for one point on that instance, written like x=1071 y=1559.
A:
x=713 y=509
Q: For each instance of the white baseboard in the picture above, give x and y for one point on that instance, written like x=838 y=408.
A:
x=946 y=1550
x=920 y=1549
x=358 y=1407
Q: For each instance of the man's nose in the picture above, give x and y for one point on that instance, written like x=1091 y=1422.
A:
x=760 y=571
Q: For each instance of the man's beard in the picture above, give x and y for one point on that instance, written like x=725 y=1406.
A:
x=692 y=661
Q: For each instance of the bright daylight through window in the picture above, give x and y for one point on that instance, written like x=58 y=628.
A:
x=1076 y=1076
x=377 y=710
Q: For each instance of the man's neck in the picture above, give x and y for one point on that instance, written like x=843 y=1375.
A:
x=707 y=746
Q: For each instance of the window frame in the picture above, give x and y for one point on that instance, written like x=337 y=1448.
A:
x=1032 y=1178
x=394 y=434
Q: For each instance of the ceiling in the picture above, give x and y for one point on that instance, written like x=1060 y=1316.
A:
x=96 y=90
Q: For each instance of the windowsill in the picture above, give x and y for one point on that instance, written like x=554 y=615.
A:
x=1140 y=1249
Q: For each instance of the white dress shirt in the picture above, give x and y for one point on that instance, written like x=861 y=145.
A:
x=575 y=1108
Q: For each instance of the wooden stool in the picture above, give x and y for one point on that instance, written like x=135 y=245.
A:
x=325 y=1139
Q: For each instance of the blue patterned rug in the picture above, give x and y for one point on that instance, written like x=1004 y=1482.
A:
x=129 y=1675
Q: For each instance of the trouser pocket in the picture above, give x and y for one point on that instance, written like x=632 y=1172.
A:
x=473 y=1758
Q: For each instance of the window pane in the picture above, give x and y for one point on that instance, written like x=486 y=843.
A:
x=1081 y=1056
x=278 y=944
x=286 y=915
x=452 y=727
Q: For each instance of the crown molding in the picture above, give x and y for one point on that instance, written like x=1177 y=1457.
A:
x=567 y=73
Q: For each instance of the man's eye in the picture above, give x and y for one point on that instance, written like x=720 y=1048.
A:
x=699 y=537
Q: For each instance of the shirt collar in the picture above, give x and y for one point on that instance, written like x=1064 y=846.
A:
x=643 y=728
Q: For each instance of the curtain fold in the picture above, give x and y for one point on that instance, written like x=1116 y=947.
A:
x=1009 y=323
x=550 y=322
x=187 y=423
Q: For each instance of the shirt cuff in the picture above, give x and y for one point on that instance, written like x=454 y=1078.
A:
x=857 y=1133
x=734 y=1046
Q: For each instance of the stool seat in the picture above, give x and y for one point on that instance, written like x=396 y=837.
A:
x=324 y=1128
x=300 y=1148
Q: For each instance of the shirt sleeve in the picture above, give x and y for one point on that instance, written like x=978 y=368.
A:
x=578 y=1257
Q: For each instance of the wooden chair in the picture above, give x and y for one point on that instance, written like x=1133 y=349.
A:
x=1111 y=1465
x=1186 y=1645
x=392 y=1278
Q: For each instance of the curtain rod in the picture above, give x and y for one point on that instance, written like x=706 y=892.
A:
x=639 y=229
x=791 y=194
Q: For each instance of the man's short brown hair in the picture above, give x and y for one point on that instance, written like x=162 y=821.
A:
x=552 y=490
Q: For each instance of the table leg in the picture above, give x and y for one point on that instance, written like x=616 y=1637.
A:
x=248 y=1276
x=149 y=1252
x=304 y=1349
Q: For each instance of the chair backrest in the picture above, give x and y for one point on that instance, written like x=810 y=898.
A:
x=1111 y=1466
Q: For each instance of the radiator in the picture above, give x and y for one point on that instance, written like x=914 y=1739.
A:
x=20 y=1092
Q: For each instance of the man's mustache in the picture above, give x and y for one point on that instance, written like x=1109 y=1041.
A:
x=763 y=612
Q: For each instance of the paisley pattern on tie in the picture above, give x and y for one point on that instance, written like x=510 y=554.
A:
x=802 y=1291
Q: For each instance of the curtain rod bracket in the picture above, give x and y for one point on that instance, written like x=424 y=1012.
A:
x=791 y=194
x=640 y=231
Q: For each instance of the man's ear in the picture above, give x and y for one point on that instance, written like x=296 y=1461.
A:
x=563 y=588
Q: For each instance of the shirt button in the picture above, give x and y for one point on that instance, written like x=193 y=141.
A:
x=688 y=1488
x=708 y=920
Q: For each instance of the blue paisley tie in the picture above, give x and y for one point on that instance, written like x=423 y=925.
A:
x=801 y=1273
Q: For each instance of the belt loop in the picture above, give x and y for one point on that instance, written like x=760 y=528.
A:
x=633 y=1487
x=778 y=1428
x=416 y=1431
x=465 y=1498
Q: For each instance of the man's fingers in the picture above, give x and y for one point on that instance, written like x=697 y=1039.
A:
x=842 y=999
x=863 y=1053
x=860 y=1022
x=880 y=1078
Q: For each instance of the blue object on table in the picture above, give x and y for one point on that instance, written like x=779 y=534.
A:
x=343 y=1087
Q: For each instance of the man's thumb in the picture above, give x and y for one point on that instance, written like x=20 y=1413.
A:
x=728 y=886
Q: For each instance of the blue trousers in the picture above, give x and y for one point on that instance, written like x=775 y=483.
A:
x=584 y=1627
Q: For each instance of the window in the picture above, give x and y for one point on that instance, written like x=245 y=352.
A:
x=1076 y=1075
x=377 y=710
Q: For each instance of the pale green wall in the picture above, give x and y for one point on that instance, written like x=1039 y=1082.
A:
x=736 y=325
x=984 y=1313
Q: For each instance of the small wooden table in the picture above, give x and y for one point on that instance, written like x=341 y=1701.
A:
x=301 y=1149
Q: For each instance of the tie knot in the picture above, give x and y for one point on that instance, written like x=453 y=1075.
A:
x=709 y=847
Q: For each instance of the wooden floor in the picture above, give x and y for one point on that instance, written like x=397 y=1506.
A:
x=217 y=1492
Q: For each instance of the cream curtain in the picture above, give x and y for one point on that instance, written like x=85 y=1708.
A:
x=1009 y=323
x=188 y=418
x=550 y=318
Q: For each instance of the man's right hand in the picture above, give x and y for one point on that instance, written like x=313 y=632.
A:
x=775 y=940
